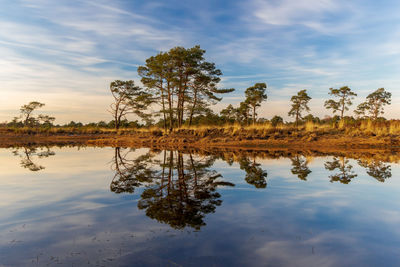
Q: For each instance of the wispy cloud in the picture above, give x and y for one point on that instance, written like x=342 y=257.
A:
x=74 y=47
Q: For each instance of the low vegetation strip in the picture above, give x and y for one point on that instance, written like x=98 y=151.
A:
x=365 y=134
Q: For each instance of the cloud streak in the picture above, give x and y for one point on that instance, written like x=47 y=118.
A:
x=66 y=48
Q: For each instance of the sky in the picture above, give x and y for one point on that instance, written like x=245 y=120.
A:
x=65 y=53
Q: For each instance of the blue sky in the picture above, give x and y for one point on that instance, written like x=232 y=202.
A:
x=65 y=53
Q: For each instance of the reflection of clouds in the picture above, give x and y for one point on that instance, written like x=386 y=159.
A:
x=311 y=250
x=70 y=215
x=102 y=235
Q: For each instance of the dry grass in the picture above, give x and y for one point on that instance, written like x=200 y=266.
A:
x=360 y=128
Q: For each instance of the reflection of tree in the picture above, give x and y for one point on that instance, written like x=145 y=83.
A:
x=300 y=167
x=179 y=189
x=377 y=169
x=255 y=175
x=130 y=173
x=27 y=155
x=345 y=170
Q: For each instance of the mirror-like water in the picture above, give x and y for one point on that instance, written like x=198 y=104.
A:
x=127 y=207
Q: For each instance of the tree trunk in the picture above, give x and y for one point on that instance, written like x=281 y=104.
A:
x=171 y=114
x=193 y=107
x=343 y=106
x=254 y=115
x=163 y=107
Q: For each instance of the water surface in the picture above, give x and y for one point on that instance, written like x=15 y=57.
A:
x=125 y=207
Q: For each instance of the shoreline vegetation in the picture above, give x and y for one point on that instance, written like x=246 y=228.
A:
x=173 y=110
x=366 y=135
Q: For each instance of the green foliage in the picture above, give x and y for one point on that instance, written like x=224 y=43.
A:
x=345 y=96
x=300 y=167
x=255 y=175
x=27 y=118
x=374 y=104
x=128 y=99
x=255 y=95
x=299 y=104
x=276 y=120
x=182 y=83
x=26 y=113
x=344 y=172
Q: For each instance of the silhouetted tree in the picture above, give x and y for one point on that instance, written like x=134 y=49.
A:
x=130 y=173
x=255 y=175
x=276 y=120
x=300 y=168
x=345 y=170
x=374 y=104
x=377 y=169
x=128 y=99
x=27 y=154
x=299 y=104
x=177 y=192
x=181 y=80
x=255 y=95
x=345 y=96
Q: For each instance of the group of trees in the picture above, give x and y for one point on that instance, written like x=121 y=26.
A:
x=178 y=85
x=27 y=117
x=371 y=108
x=246 y=110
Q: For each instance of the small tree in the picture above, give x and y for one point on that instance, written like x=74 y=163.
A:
x=228 y=114
x=276 y=120
x=345 y=96
x=128 y=99
x=374 y=104
x=299 y=104
x=255 y=95
x=46 y=120
x=243 y=112
x=27 y=110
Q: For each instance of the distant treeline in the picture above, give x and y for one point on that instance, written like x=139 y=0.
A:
x=180 y=87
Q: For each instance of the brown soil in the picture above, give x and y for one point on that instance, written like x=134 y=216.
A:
x=212 y=140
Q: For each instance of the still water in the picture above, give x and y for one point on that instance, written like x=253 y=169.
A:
x=75 y=206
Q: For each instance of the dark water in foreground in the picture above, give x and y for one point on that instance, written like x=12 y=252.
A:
x=123 y=207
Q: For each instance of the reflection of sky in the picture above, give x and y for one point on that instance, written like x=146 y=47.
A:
x=67 y=214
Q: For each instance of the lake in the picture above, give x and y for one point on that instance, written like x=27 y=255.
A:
x=87 y=206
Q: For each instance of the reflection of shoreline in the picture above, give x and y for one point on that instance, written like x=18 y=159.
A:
x=186 y=138
x=179 y=188
x=384 y=155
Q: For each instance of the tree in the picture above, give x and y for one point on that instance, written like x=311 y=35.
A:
x=204 y=88
x=299 y=104
x=178 y=189
x=374 y=104
x=255 y=175
x=376 y=169
x=242 y=112
x=345 y=96
x=27 y=155
x=228 y=114
x=300 y=167
x=255 y=95
x=46 y=120
x=345 y=170
x=276 y=120
x=182 y=83
x=128 y=99
x=27 y=110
